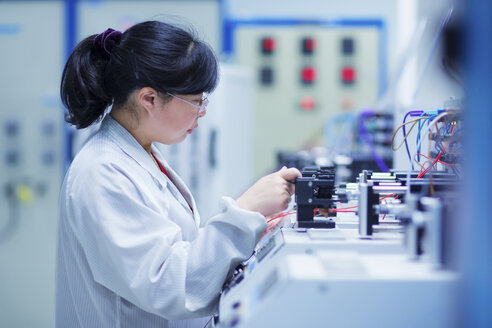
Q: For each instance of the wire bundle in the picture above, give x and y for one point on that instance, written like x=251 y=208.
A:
x=427 y=120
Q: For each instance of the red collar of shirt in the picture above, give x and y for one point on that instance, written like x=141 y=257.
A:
x=160 y=165
x=164 y=171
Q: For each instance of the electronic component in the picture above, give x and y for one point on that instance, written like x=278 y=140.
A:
x=314 y=190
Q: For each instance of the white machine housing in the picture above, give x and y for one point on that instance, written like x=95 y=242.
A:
x=281 y=242
x=347 y=289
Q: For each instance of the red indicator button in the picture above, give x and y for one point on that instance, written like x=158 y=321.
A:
x=348 y=75
x=308 y=75
x=308 y=46
x=267 y=45
x=307 y=103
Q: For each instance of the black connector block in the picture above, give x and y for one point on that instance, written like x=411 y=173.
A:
x=314 y=190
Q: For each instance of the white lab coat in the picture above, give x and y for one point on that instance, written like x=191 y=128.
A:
x=130 y=250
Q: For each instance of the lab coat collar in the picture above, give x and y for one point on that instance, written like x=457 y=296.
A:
x=132 y=148
x=180 y=184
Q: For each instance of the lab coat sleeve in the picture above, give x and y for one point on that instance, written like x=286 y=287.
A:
x=136 y=251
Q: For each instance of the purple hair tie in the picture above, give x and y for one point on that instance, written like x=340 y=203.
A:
x=105 y=41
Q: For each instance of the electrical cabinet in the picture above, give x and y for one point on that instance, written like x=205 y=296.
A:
x=304 y=74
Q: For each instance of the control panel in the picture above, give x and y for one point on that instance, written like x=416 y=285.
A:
x=305 y=74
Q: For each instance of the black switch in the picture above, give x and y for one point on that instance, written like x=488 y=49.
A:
x=266 y=76
x=347 y=46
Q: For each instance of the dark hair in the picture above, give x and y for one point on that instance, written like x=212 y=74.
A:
x=150 y=54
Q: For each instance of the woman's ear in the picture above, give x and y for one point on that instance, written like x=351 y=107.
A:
x=147 y=99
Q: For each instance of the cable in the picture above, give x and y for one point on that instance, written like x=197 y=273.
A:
x=281 y=215
x=439 y=147
x=386 y=196
x=419 y=129
x=440 y=162
x=434 y=122
x=411 y=113
x=434 y=162
x=421 y=125
x=405 y=136
x=422 y=167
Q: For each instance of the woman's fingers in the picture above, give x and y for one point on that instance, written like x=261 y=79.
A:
x=290 y=174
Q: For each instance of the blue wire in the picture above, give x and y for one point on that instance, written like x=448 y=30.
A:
x=431 y=118
x=421 y=126
x=418 y=138
x=406 y=144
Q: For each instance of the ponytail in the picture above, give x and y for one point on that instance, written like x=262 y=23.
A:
x=82 y=86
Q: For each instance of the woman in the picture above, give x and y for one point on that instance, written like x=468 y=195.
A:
x=131 y=251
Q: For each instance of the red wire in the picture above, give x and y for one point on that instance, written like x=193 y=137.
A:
x=387 y=196
x=422 y=169
x=341 y=209
x=430 y=166
x=435 y=160
x=273 y=219
x=278 y=218
x=273 y=226
x=441 y=162
x=281 y=215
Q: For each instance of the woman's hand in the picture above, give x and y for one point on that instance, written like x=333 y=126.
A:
x=270 y=194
